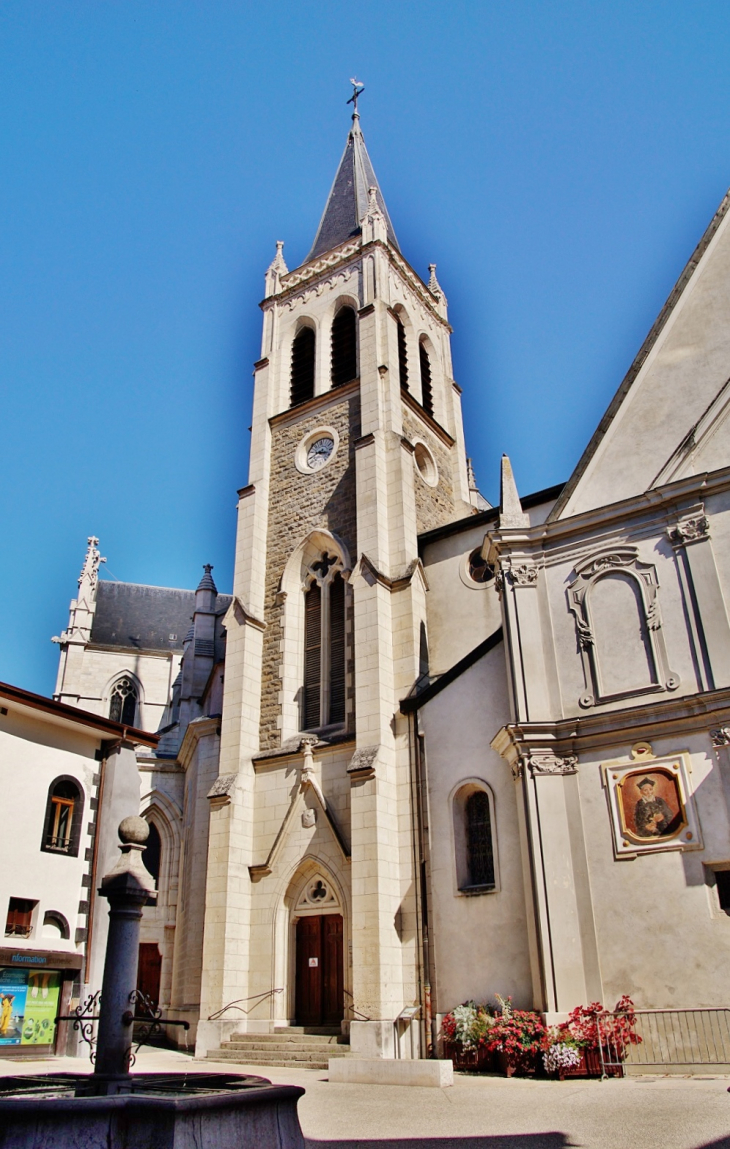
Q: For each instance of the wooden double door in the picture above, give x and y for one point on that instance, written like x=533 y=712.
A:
x=319 y=995
x=149 y=970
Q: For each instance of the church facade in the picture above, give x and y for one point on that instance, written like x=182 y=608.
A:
x=430 y=750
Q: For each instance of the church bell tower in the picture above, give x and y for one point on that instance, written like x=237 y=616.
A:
x=357 y=447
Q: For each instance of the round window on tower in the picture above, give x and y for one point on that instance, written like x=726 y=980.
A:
x=316 y=450
x=425 y=464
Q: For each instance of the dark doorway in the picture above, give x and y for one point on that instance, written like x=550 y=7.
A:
x=319 y=986
x=148 y=971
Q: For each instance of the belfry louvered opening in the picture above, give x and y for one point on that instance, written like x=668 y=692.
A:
x=344 y=347
x=324 y=653
x=402 y=354
x=302 y=366
x=426 y=387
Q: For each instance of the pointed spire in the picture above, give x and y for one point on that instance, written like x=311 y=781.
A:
x=433 y=284
x=476 y=498
x=206 y=582
x=348 y=200
x=511 y=515
x=275 y=270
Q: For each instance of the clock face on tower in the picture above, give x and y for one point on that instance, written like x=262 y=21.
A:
x=319 y=452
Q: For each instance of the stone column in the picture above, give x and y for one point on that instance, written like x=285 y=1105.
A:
x=128 y=887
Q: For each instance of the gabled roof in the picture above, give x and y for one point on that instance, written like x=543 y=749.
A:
x=132 y=616
x=348 y=198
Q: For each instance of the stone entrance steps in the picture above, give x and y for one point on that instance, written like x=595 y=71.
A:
x=308 y=1047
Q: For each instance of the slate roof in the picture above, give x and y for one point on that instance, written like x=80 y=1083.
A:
x=348 y=198
x=131 y=616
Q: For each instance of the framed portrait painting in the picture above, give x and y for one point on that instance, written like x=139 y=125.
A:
x=651 y=805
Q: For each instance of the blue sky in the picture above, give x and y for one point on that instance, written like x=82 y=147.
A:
x=558 y=161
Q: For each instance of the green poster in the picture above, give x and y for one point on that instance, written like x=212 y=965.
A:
x=41 y=1007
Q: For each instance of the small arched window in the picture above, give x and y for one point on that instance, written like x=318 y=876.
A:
x=479 y=851
x=302 y=367
x=344 y=347
x=152 y=853
x=123 y=704
x=64 y=808
x=402 y=354
x=55 y=926
x=426 y=388
x=324 y=649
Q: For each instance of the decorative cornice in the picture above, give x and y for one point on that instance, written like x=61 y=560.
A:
x=656 y=719
x=546 y=762
x=690 y=530
x=315 y=405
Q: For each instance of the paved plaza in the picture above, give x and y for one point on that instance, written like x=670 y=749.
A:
x=484 y=1112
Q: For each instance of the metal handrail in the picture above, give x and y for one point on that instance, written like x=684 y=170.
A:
x=361 y=1016
x=258 y=998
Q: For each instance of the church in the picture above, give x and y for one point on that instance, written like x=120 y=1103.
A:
x=428 y=749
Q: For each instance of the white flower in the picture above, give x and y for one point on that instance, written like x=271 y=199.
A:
x=560 y=1056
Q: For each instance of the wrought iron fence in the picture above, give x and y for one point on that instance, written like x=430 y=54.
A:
x=664 y=1039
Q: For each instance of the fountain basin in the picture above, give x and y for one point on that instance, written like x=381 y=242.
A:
x=155 y=1111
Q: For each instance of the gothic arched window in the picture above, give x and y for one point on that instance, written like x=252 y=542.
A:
x=426 y=389
x=324 y=647
x=302 y=367
x=344 y=347
x=152 y=852
x=479 y=852
x=64 y=808
x=123 y=704
x=402 y=354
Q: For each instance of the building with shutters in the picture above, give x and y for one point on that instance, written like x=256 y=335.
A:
x=430 y=750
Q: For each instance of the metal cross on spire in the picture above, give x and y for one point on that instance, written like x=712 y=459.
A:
x=357 y=90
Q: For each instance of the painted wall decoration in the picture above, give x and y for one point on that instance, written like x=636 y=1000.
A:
x=651 y=804
x=28 y=1006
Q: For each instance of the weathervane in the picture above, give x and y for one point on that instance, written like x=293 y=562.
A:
x=357 y=90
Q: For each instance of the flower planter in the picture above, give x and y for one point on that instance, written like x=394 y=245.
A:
x=480 y=1059
x=525 y=1067
x=590 y=1066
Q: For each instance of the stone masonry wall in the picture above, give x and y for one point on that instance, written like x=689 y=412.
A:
x=300 y=504
x=434 y=505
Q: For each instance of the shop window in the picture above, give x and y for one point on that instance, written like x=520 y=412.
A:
x=64 y=809
x=344 y=347
x=55 y=926
x=19 y=922
x=123 y=704
x=302 y=367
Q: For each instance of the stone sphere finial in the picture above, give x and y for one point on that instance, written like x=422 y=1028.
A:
x=133 y=830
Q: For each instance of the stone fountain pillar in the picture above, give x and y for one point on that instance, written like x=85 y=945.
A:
x=112 y=1108
x=128 y=887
